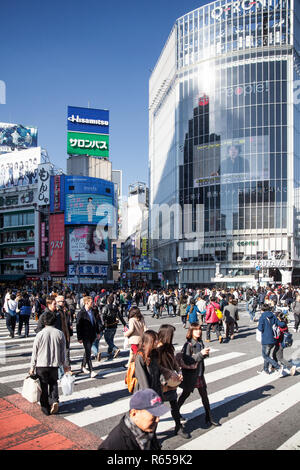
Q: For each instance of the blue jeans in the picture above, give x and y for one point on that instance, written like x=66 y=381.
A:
x=109 y=335
x=95 y=345
x=266 y=351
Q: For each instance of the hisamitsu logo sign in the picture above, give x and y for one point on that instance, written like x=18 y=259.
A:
x=88 y=120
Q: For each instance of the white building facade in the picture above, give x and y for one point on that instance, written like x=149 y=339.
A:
x=224 y=145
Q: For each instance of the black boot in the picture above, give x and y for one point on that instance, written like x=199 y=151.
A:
x=180 y=431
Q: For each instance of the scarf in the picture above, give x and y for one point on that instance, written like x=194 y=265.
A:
x=142 y=438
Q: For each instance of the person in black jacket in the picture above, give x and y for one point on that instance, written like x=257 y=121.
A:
x=87 y=330
x=109 y=316
x=137 y=429
x=24 y=307
x=194 y=351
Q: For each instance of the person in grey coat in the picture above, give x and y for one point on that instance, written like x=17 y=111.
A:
x=48 y=354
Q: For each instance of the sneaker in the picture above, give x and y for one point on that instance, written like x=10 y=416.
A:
x=116 y=353
x=93 y=374
x=85 y=370
x=54 y=408
x=183 y=419
x=220 y=339
x=263 y=372
x=211 y=422
x=278 y=373
x=293 y=370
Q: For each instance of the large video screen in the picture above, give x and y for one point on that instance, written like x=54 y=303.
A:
x=233 y=160
x=16 y=136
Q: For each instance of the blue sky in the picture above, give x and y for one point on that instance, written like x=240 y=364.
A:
x=72 y=52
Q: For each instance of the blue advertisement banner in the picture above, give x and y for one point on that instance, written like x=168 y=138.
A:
x=89 y=120
x=88 y=201
x=87 y=270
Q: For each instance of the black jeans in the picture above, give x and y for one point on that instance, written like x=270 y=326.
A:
x=204 y=397
x=87 y=344
x=48 y=379
x=11 y=324
x=24 y=320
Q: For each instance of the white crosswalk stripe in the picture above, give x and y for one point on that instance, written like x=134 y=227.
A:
x=231 y=375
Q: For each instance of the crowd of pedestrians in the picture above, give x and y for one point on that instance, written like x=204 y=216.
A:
x=157 y=372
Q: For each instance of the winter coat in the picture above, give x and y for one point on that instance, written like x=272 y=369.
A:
x=135 y=331
x=211 y=316
x=192 y=352
x=121 y=438
x=265 y=324
x=147 y=376
x=86 y=330
x=192 y=313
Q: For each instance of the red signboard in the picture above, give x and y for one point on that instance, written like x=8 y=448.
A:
x=57 y=243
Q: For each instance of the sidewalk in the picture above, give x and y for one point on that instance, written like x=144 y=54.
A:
x=23 y=426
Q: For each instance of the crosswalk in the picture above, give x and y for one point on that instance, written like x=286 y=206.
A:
x=251 y=408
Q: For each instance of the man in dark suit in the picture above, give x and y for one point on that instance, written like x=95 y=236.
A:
x=87 y=329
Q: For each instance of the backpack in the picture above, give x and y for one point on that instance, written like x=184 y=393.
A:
x=130 y=379
x=287 y=340
x=109 y=315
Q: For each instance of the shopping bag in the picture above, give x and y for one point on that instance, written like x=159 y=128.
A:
x=258 y=335
x=67 y=384
x=31 y=389
x=126 y=343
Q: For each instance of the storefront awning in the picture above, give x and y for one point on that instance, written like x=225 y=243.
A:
x=12 y=277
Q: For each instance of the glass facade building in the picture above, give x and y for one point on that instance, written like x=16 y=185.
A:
x=224 y=144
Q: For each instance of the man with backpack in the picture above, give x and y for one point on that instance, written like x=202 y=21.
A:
x=109 y=316
x=267 y=325
x=283 y=340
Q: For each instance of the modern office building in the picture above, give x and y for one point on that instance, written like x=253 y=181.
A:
x=224 y=145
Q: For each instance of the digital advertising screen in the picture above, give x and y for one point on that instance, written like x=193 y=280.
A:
x=88 y=201
x=16 y=136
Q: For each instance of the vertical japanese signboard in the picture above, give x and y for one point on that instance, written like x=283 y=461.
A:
x=43 y=197
x=57 y=243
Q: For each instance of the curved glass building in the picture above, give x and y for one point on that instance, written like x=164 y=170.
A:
x=224 y=145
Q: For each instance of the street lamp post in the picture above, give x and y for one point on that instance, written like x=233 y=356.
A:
x=179 y=262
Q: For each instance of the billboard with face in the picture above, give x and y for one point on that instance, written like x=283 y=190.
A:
x=88 y=244
x=19 y=168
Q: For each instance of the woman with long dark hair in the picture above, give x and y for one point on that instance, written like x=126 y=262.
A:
x=171 y=373
x=193 y=351
x=136 y=329
x=147 y=371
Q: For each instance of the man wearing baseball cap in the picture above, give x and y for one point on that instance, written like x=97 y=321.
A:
x=137 y=429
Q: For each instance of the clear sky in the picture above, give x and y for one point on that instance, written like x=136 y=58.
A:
x=75 y=52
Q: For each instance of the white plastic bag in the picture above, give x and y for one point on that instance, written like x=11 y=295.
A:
x=258 y=335
x=31 y=389
x=67 y=384
x=126 y=343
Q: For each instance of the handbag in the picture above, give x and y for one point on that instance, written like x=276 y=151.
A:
x=67 y=384
x=182 y=364
x=31 y=390
x=174 y=381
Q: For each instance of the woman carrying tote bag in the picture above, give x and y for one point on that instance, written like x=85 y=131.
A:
x=171 y=373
